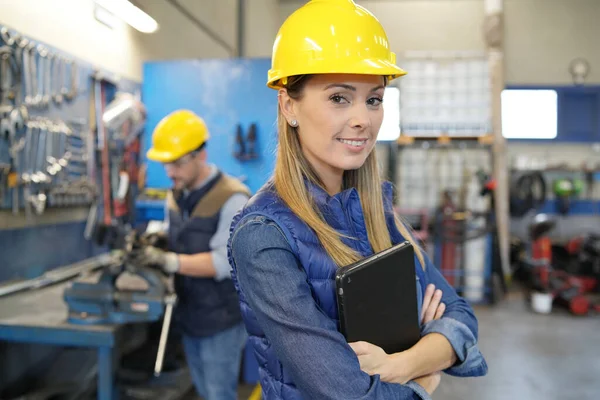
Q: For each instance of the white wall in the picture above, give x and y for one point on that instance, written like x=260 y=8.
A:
x=422 y=24
x=179 y=38
x=543 y=36
x=69 y=25
x=262 y=24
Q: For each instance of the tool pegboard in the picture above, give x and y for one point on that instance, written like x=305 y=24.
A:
x=50 y=108
x=52 y=164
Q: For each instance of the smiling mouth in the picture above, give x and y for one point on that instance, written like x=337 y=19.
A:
x=355 y=143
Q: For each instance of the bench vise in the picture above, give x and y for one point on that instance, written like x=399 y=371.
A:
x=98 y=300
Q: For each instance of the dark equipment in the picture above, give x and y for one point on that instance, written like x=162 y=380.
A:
x=377 y=301
x=527 y=192
x=570 y=290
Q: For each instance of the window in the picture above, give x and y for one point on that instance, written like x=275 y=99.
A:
x=390 y=127
x=529 y=114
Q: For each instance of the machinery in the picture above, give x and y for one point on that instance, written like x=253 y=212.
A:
x=101 y=300
x=568 y=289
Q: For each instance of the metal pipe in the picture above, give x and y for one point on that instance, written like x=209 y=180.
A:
x=241 y=27
x=162 y=345
x=59 y=274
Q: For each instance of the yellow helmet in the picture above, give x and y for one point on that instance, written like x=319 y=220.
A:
x=176 y=135
x=331 y=36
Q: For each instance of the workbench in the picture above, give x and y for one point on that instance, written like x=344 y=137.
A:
x=40 y=316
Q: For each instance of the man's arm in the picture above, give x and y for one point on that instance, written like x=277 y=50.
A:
x=214 y=264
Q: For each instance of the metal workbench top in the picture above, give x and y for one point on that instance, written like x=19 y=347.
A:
x=40 y=316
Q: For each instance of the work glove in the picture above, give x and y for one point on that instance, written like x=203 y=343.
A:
x=155 y=257
x=156 y=239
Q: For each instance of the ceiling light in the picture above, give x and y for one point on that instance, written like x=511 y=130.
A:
x=131 y=14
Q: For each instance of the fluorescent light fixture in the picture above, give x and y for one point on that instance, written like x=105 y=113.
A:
x=130 y=14
x=102 y=15
x=390 y=127
x=529 y=114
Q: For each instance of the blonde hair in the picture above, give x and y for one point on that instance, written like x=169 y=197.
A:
x=291 y=168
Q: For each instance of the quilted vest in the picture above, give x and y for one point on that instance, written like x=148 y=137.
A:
x=342 y=212
x=205 y=306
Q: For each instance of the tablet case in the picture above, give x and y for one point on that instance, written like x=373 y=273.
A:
x=377 y=299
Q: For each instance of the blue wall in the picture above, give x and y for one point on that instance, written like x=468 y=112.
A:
x=225 y=93
x=29 y=252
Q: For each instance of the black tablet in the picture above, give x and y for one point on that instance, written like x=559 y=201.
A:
x=377 y=299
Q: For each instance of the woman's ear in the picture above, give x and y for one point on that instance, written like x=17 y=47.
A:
x=287 y=106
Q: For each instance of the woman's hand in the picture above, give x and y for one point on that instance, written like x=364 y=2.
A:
x=432 y=306
x=373 y=360
x=430 y=382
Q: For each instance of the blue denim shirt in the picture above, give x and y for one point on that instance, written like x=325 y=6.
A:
x=308 y=342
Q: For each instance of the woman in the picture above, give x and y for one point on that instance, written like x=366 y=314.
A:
x=326 y=207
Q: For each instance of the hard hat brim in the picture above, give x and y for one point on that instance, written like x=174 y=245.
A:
x=376 y=67
x=162 y=156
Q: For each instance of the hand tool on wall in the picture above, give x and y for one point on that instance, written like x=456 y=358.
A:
x=12 y=118
x=99 y=101
x=246 y=146
x=71 y=92
x=58 y=65
x=30 y=77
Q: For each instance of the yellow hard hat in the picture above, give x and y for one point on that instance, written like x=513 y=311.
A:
x=176 y=135
x=331 y=36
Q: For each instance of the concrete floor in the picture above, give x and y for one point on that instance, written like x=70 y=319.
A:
x=530 y=357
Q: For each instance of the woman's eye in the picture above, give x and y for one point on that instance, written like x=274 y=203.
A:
x=336 y=98
x=374 y=101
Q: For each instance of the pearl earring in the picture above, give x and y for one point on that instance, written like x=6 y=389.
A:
x=294 y=123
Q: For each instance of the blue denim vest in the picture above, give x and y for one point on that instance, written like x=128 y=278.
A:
x=342 y=212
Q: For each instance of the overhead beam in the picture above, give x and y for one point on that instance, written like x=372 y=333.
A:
x=203 y=27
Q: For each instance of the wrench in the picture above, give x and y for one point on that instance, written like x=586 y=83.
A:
x=28 y=165
x=46 y=97
x=74 y=79
x=64 y=91
x=40 y=160
x=15 y=150
x=7 y=130
x=25 y=70
x=57 y=78
x=30 y=66
x=38 y=201
x=40 y=73
x=6 y=74
x=18 y=116
x=7 y=38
